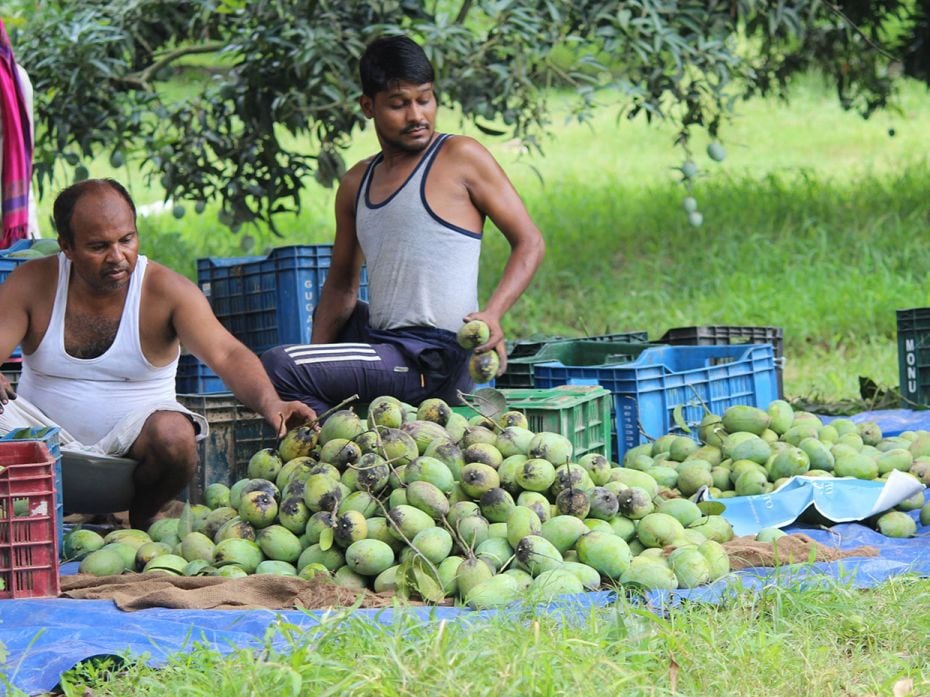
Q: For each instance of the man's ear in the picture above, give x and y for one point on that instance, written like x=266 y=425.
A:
x=368 y=106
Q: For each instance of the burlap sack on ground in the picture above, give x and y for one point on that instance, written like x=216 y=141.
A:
x=139 y=591
x=790 y=549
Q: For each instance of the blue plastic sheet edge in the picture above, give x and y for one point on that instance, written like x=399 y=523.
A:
x=892 y=422
x=836 y=499
x=46 y=637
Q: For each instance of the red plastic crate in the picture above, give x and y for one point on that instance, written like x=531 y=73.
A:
x=28 y=539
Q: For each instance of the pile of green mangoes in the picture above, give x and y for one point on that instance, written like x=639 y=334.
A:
x=749 y=451
x=424 y=502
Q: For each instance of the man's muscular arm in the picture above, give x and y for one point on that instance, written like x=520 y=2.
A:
x=198 y=329
x=492 y=193
x=340 y=291
x=17 y=293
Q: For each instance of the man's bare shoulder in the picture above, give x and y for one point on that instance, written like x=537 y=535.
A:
x=470 y=158
x=352 y=179
x=471 y=161
x=35 y=273
x=349 y=186
x=467 y=149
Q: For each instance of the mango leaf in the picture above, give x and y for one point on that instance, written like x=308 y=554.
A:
x=711 y=507
x=185 y=521
x=427 y=586
x=679 y=418
x=489 y=402
x=326 y=539
x=488 y=130
x=404 y=580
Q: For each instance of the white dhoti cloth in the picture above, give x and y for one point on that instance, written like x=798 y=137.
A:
x=21 y=413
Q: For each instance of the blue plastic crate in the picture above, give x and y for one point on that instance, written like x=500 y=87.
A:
x=647 y=391
x=720 y=335
x=268 y=301
x=49 y=436
x=195 y=377
x=7 y=265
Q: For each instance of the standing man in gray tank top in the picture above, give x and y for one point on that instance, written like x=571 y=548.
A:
x=414 y=214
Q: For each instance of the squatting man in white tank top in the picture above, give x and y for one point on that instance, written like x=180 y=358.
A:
x=100 y=328
x=415 y=214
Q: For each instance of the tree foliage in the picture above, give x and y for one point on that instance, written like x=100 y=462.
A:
x=284 y=72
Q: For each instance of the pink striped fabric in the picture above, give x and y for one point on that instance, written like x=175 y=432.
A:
x=17 y=148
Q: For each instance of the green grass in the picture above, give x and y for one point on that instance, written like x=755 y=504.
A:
x=784 y=640
x=814 y=223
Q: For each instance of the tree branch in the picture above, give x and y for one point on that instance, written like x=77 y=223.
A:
x=463 y=12
x=838 y=11
x=142 y=78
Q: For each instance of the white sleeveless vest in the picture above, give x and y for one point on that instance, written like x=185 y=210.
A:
x=89 y=396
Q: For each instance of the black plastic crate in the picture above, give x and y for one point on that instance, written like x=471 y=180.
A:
x=914 y=356
x=524 y=348
x=236 y=433
x=726 y=335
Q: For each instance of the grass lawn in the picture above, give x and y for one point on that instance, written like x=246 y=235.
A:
x=783 y=641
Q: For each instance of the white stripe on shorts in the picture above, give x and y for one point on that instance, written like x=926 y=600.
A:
x=335 y=359
x=325 y=347
x=333 y=352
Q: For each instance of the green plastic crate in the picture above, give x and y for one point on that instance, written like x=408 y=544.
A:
x=581 y=413
x=580 y=352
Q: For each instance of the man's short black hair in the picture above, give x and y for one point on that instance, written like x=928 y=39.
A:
x=392 y=59
x=63 y=208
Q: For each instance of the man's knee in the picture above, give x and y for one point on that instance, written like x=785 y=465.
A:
x=169 y=437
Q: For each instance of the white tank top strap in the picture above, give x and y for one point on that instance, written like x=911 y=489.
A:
x=56 y=322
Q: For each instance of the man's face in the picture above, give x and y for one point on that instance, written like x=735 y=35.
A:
x=106 y=243
x=404 y=115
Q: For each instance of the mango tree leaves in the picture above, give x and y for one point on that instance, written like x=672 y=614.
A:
x=272 y=98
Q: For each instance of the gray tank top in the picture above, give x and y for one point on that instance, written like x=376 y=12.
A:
x=422 y=270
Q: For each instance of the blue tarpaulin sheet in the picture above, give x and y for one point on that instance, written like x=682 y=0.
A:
x=837 y=499
x=892 y=421
x=46 y=637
